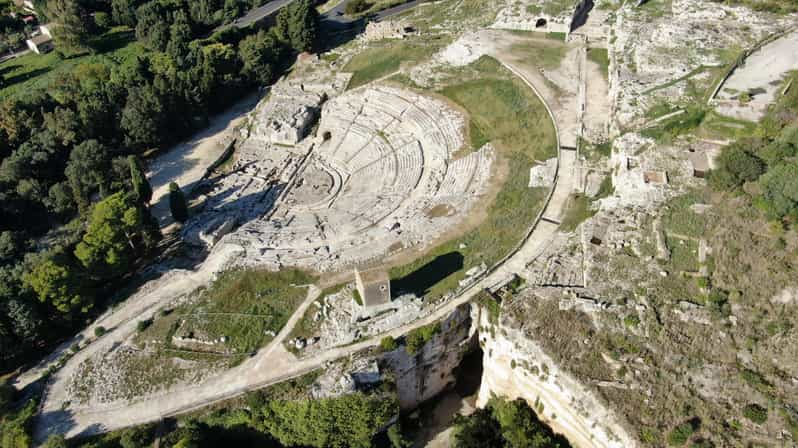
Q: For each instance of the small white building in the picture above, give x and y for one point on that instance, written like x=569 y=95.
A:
x=40 y=44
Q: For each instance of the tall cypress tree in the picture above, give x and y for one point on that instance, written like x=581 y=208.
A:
x=141 y=186
x=177 y=203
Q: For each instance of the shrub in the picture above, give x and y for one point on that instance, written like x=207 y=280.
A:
x=388 y=344
x=99 y=331
x=357 y=6
x=420 y=336
x=143 y=324
x=755 y=413
x=680 y=434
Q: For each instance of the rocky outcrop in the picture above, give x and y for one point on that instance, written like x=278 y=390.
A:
x=423 y=375
x=515 y=366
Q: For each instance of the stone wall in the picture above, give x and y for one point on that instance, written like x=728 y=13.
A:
x=422 y=376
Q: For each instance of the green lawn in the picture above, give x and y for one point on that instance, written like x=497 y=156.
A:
x=601 y=57
x=34 y=71
x=241 y=305
x=577 y=212
x=376 y=62
x=504 y=111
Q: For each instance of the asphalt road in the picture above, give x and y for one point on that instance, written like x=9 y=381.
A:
x=335 y=18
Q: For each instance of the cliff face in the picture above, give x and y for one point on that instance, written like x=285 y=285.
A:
x=514 y=366
x=423 y=375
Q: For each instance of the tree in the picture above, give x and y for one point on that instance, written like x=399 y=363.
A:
x=88 y=171
x=114 y=237
x=232 y=10
x=72 y=24
x=64 y=124
x=152 y=29
x=478 y=430
x=396 y=437
x=388 y=344
x=177 y=203
x=142 y=118
x=260 y=54
x=780 y=191
x=737 y=166
x=123 y=12
x=103 y=20
x=357 y=6
x=297 y=25
x=57 y=284
x=141 y=186
x=179 y=37
x=55 y=441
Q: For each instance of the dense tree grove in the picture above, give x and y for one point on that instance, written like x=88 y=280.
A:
x=348 y=421
x=511 y=424
x=766 y=161
x=74 y=199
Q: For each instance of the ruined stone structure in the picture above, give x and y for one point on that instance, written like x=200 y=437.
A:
x=362 y=189
x=374 y=287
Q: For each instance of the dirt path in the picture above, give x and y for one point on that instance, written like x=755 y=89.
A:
x=271 y=365
x=186 y=163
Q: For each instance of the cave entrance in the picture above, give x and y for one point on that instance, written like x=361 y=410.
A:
x=469 y=374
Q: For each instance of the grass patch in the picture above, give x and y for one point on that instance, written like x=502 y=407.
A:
x=506 y=112
x=602 y=58
x=242 y=306
x=684 y=254
x=717 y=126
x=33 y=71
x=680 y=124
x=549 y=56
x=554 y=8
x=680 y=218
x=578 y=211
x=376 y=62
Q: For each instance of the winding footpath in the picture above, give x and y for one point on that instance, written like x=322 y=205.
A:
x=274 y=363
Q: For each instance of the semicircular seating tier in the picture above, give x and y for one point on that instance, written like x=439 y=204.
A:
x=382 y=165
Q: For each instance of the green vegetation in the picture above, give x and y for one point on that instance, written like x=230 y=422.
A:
x=506 y=112
x=388 y=344
x=755 y=413
x=681 y=434
x=74 y=221
x=774 y=6
x=280 y=416
x=416 y=339
x=31 y=72
x=243 y=306
x=378 y=61
x=491 y=304
x=511 y=424
x=577 y=212
x=355 y=7
x=177 y=203
x=766 y=158
x=677 y=125
x=556 y=7
x=548 y=56
x=348 y=421
x=15 y=426
x=601 y=57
